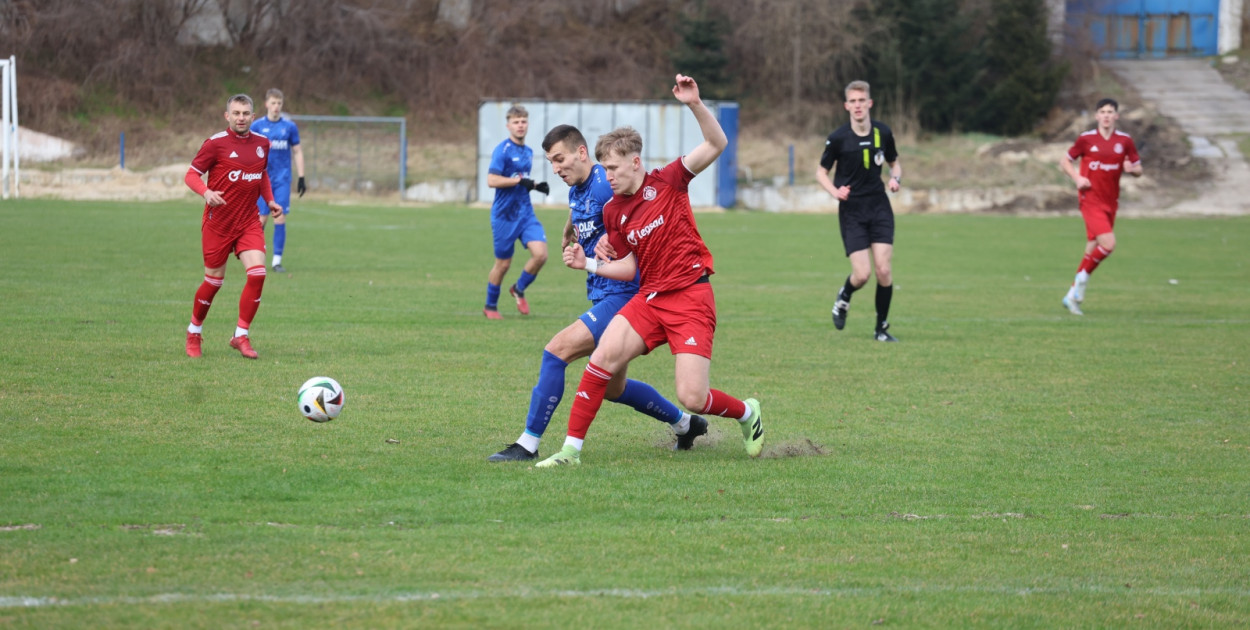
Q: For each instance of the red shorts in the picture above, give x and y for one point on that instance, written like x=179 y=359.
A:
x=685 y=319
x=1099 y=219
x=217 y=248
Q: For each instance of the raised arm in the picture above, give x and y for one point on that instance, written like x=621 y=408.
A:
x=714 y=139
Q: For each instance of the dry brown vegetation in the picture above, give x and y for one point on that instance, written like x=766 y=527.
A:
x=431 y=60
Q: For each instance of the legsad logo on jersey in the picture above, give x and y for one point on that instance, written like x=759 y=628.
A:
x=635 y=235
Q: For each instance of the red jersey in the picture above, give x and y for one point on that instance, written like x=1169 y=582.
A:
x=236 y=167
x=1102 y=162
x=657 y=225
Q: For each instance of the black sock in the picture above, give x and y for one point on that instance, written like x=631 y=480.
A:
x=884 y=294
x=847 y=290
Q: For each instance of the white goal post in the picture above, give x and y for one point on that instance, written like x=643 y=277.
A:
x=10 y=171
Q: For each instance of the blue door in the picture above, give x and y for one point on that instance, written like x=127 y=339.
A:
x=1144 y=28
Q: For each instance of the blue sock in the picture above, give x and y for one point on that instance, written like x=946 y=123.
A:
x=492 y=295
x=279 y=238
x=645 y=399
x=524 y=282
x=547 y=394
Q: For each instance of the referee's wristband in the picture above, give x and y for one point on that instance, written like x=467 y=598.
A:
x=592 y=266
x=897 y=179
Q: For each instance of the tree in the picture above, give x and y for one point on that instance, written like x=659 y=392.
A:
x=1021 y=78
x=701 y=52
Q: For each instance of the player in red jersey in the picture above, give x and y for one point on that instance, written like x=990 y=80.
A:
x=1105 y=153
x=649 y=222
x=235 y=161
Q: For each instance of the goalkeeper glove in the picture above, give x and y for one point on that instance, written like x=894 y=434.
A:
x=526 y=183
x=300 y=187
x=543 y=188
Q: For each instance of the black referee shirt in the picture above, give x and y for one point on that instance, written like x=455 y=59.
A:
x=859 y=158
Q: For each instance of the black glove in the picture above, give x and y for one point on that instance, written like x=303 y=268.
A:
x=300 y=187
x=526 y=183
x=543 y=188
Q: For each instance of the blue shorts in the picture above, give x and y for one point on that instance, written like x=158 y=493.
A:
x=599 y=315
x=526 y=230
x=281 y=194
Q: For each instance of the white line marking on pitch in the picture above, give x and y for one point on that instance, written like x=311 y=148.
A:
x=183 y=598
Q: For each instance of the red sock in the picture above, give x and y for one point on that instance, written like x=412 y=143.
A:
x=588 y=400
x=721 y=404
x=1092 y=259
x=204 y=299
x=250 y=300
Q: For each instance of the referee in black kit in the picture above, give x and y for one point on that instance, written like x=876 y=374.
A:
x=859 y=148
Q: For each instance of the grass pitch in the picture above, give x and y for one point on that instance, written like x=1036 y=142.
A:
x=1005 y=465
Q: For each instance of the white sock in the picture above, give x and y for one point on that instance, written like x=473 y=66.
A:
x=528 y=441
x=192 y=328
x=1082 y=277
x=574 y=442
x=748 y=416
x=277 y=259
x=681 y=427
x=239 y=332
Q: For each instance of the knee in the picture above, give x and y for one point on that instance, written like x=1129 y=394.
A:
x=692 y=399
x=540 y=258
x=884 y=277
x=502 y=265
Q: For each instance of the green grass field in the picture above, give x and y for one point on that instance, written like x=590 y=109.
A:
x=1006 y=465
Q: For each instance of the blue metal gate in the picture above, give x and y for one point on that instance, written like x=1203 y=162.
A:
x=1145 y=28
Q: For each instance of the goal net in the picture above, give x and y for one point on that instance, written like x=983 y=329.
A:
x=354 y=154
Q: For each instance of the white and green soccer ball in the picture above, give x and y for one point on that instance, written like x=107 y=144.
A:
x=321 y=399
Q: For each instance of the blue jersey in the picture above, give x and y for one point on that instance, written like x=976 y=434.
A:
x=586 y=202
x=282 y=136
x=510 y=160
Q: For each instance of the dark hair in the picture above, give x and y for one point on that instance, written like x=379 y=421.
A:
x=568 y=134
x=1107 y=101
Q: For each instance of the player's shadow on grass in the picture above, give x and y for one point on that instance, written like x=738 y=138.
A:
x=800 y=447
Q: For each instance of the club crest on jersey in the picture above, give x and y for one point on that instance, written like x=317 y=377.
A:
x=1119 y=148
x=648 y=193
x=260 y=152
x=879 y=158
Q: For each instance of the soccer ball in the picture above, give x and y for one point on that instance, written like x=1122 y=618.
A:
x=321 y=399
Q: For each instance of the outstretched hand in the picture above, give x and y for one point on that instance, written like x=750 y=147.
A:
x=686 y=91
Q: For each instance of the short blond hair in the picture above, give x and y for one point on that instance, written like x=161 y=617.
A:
x=857 y=86
x=275 y=92
x=623 y=141
x=517 y=111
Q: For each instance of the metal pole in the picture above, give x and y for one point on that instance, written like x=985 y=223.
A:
x=123 y=150
x=4 y=132
x=403 y=155
x=17 y=130
x=792 y=165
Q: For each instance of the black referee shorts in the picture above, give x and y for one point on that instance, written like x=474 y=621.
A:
x=864 y=221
